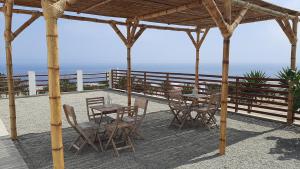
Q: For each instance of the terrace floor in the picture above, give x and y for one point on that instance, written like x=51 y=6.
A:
x=252 y=142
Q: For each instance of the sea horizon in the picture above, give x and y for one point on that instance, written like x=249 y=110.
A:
x=235 y=69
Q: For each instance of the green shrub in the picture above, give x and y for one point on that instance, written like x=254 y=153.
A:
x=289 y=76
x=187 y=89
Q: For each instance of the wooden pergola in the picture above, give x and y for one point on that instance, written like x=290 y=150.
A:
x=194 y=17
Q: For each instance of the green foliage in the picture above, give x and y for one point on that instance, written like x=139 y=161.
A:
x=187 y=89
x=289 y=76
x=254 y=81
x=122 y=83
x=285 y=75
x=67 y=86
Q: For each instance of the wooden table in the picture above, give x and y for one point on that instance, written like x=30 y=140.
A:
x=105 y=110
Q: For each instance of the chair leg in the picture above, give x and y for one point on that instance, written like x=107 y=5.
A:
x=115 y=148
x=100 y=142
x=128 y=140
x=81 y=147
x=74 y=142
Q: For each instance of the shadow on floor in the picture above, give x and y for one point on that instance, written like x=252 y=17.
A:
x=287 y=149
x=163 y=147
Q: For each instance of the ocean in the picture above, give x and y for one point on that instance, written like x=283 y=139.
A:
x=235 y=69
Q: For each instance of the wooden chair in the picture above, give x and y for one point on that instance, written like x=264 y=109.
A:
x=88 y=132
x=96 y=117
x=206 y=114
x=137 y=117
x=119 y=131
x=179 y=108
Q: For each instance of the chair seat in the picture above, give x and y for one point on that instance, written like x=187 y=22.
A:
x=129 y=119
x=87 y=125
x=112 y=125
x=107 y=119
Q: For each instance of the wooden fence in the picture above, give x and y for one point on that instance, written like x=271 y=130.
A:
x=268 y=99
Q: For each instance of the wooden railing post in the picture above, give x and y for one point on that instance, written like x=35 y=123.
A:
x=236 y=94
x=145 y=83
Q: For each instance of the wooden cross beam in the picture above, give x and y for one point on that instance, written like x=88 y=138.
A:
x=197 y=42
x=95 y=6
x=263 y=9
x=25 y=25
x=226 y=28
x=103 y=21
x=287 y=29
x=129 y=40
x=170 y=11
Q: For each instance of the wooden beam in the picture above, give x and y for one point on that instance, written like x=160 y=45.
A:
x=286 y=28
x=170 y=11
x=137 y=35
x=25 y=25
x=95 y=6
x=203 y=37
x=258 y=8
x=129 y=41
x=103 y=21
x=197 y=44
x=238 y=19
x=290 y=115
x=119 y=33
x=225 y=70
x=216 y=15
x=192 y=39
x=289 y=30
x=9 y=67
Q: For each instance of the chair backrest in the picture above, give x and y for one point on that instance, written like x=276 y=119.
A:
x=214 y=101
x=70 y=115
x=141 y=103
x=93 y=102
x=175 y=99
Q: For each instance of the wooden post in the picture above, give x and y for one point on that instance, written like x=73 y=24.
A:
x=226 y=48
x=197 y=43
x=129 y=75
x=197 y=63
x=52 y=10
x=9 y=67
x=132 y=36
x=145 y=83
x=236 y=93
x=290 y=115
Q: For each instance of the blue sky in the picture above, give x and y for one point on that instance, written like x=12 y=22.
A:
x=84 y=43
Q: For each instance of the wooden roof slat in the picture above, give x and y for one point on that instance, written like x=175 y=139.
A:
x=95 y=6
x=165 y=12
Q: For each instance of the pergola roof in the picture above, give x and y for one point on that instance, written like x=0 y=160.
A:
x=178 y=12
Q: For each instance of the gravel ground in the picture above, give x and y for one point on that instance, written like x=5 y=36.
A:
x=252 y=143
x=34 y=111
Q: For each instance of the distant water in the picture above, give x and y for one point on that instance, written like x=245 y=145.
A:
x=235 y=69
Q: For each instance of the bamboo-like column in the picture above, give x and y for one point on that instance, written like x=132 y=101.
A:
x=290 y=115
x=132 y=36
x=197 y=43
x=225 y=67
x=9 y=67
x=51 y=13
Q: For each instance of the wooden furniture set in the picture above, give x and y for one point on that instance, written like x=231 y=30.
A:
x=113 y=123
x=187 y=108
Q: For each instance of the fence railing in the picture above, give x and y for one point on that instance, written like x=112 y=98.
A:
x=268 y=99
x=36 y=84
x=21 y=85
